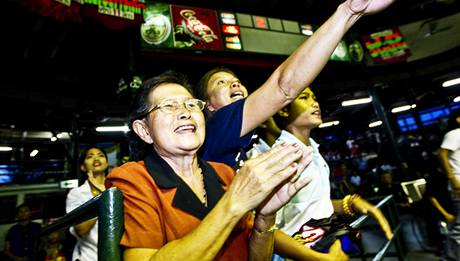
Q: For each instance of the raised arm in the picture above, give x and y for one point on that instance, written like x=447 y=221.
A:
x=254 y=183
x=305 y=63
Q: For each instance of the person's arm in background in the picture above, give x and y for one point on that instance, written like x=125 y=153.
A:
x=288 y=247
x=300 y=69
x=85 y=227
x=75 y=199
x=449 y=217
x=443 y=156
x=356 y=204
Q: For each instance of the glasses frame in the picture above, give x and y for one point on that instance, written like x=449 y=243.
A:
x=183 y=104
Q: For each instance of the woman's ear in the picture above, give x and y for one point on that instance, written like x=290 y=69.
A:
x=141 y=129
x=210 y=107
x=83 y=168
x=284 y=112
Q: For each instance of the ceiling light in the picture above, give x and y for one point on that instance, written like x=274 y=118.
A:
x=62 y=135
x=451 y=82
x=123 y=128
x=356 y=101
x=33 y=153
x=375 y=124
x=403 y=108
x=5 y=148
x=457 y=99
x=328 y=124
x=53 y=139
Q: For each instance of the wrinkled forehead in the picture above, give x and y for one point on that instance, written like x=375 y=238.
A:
x=168 y=91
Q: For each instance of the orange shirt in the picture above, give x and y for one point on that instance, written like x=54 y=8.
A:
x=159 y=207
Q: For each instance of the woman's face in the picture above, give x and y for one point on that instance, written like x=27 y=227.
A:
x=304 y=111
x=181 y=132
x=95 y=161
x=224 y=89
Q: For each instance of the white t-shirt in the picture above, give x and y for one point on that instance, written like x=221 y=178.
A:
x=311 y=202
x=451 y=142
x=86 y=247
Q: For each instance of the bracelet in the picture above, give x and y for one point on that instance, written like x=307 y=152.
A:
x=347 y=204
x=269 y=230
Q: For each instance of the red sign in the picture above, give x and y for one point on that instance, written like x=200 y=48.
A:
x=387 y=46
x=196 y=28
x=260 y=22
x=231 y=29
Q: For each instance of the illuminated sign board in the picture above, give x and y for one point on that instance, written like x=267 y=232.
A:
x=173 y=26
x=157 y=28
x=120 y=8
x=228 y=18
x=196 y=28
x=386 y=46
x=307 y=29
x=231 y=29
x=260 y=22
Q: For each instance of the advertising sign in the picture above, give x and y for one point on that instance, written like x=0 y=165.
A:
x=196 y=28
x=386 y=46
x=157 y=28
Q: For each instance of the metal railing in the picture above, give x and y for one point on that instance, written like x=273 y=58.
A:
x=397 y=239
x=108 y=208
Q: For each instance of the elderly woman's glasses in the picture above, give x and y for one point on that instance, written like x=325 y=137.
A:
x=172 y=106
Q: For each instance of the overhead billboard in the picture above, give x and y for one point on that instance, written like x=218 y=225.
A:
x=386 y=46
x=184 y=27
x=157 y=27
x=196 y=28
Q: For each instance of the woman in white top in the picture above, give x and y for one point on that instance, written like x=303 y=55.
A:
x=93 y=162
x=302 y=217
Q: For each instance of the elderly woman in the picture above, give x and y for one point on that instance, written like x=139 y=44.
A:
x=180 y=207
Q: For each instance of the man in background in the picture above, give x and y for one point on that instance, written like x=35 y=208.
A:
x=20 y=239
x=449 y=156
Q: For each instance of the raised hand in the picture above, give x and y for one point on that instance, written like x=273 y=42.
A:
x=93 y=181
x=366 y=7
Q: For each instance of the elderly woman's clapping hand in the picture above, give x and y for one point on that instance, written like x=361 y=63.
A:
x=271 y=173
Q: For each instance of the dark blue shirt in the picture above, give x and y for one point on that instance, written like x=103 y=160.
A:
x=223 y=128
x=22 y=239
